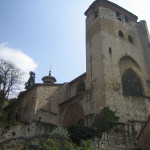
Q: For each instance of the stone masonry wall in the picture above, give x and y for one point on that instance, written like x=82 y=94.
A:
x=48 y=98
x=28 y=100
x=121 y=137
x=113 y=69
x=73 y=85
x=105 y=51
x=24 y=135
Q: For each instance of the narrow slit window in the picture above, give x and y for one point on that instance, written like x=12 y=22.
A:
x=110 y=51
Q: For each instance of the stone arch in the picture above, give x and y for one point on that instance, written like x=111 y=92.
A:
x=131 y=84
x=74 y=114
x=127 y=62
x=131 y=77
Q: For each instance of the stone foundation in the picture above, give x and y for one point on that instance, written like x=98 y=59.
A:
x=29 y=136
x=121 y=137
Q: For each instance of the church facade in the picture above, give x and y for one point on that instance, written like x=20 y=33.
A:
x=117 y=75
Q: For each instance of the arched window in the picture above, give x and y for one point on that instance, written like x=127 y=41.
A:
x=80 y=86
x=96 y=14
x=120 y=33
x=118 y=15
x=130 y=39
x=126 y=19
x=131 y=84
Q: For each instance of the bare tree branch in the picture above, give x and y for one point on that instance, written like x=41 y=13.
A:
x=10 y=80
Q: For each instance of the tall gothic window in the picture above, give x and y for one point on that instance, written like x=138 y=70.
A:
x=131 y=84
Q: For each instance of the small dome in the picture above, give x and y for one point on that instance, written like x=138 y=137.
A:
x=49 y=79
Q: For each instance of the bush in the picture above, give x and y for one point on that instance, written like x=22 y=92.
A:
x=59 y=132
x=81 y=136
x=50 y=145
x=7 y=124
x=106 y=123
x=78 y=133
x=53 y=145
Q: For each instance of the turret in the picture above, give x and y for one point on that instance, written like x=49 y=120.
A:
x=49 y=79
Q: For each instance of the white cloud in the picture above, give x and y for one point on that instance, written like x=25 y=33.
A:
x=21 y=60
x=16 y=56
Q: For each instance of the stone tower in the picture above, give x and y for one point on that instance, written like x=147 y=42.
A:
x=117 y=70
x=117 y=67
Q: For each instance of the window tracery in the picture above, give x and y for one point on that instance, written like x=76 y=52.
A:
x=131 y=84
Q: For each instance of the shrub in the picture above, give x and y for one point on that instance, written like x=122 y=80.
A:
x=78 y=133
x=59 y=132
x=53 y=145
x=106 y=123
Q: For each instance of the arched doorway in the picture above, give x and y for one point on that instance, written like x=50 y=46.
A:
x=74 y=115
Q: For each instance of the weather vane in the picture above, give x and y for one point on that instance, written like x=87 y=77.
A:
x=50 y=70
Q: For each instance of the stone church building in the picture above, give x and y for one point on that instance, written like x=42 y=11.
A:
x=117 y=75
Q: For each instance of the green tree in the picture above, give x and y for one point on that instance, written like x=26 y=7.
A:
x=10 y=81
x=67 y=145
x=60 y=140
x=50 y=145
x=31 y=80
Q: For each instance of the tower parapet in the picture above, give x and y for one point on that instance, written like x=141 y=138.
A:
x=93 y=9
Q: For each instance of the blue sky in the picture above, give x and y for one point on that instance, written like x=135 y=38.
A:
x=36 y=34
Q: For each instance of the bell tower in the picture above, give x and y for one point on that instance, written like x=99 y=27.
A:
x=116 y=52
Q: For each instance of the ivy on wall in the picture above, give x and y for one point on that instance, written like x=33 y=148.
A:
x=107 y=121
x=78 y=133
